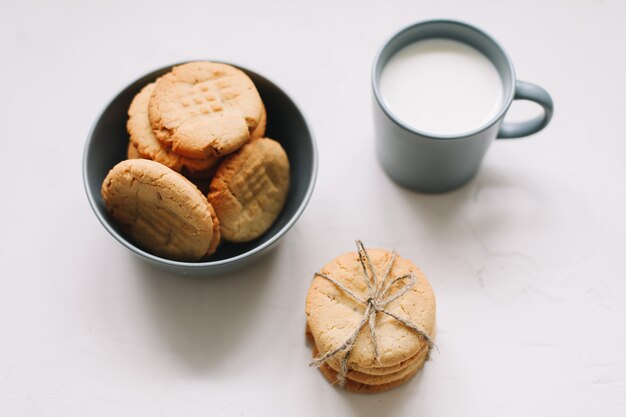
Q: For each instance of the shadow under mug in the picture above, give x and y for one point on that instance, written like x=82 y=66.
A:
x=434 y=163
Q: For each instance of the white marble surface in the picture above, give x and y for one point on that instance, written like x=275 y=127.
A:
x=527 y=261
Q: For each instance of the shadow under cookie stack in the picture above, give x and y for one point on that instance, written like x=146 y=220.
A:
x=199 y=127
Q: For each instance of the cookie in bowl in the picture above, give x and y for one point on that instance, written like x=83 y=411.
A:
x=159 y=208
x=249 y=189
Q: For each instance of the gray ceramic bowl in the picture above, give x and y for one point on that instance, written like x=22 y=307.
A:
x=108 y=141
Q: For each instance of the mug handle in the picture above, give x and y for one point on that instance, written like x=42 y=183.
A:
x=532 y=92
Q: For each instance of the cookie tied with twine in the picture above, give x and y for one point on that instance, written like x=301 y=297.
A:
x=371 y=315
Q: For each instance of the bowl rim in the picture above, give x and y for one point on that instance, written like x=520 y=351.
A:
x=208 y=264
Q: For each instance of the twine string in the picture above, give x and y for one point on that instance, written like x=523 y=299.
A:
x=382 y=288
x=402 y=291
x=378 y=298
x=342 y=288
x=372 y=322
x=369 y=279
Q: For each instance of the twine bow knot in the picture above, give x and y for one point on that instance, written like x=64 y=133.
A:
x=377 y=300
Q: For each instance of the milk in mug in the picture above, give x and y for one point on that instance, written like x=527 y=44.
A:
x=441 y=87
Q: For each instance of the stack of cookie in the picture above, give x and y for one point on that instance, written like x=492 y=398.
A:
x=200 y=125
x=371 y=320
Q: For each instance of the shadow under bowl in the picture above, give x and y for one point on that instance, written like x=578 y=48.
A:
x=107 y=145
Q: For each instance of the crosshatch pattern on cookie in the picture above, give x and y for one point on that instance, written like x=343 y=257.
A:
x=249 y=189
x=205 y=108
x=201 y=99
x=210 y=96
x=148 y=146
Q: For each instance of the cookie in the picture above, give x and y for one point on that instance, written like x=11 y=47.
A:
x=376 y=370
x=249 y=189
x=216 y=238
x=333 y=316
x=358 y=387
x=159 y=209
x=148 y=146
x=203 y=109
x=369 y=379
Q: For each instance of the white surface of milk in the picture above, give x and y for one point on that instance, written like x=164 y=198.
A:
x=441 y=86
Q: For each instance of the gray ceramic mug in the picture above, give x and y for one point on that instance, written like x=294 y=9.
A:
x=433 y=163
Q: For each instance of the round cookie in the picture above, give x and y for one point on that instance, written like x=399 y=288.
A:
x=202 y=109
x=359 y=387
x=159 y=208
x=148 y=146
x=249 y=189
x=333 y=316
x=353 y=386
x=375 y=370
x=381 y=371
x=370 y=379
